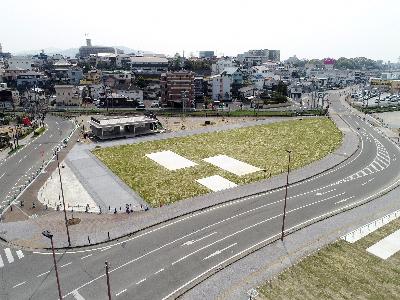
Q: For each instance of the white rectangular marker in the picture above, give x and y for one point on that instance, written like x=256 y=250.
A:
x=170 y=160
x=231 y=165
x=119 y=293
x=386 y=247
x=20 y=254
x=77 y=296
x=9 y=255
x=1 y=262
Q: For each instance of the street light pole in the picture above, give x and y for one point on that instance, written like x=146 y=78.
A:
x=48 y=234
x=108 y=282
x=286 y=191
x=63 y=201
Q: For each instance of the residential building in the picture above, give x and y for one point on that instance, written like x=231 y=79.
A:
x=21 y=62
x=68 y=95
x=117 y=77
x=86 y=51
x=199 y=89
x=177 y=88
x=71 y=75
x=149 y=65
x=4 y=54
x=206 y=54
x=258 y=57
x=223 y=84
x=31 y=79
x=221 y=65
x=134 y=94
x=92 y=77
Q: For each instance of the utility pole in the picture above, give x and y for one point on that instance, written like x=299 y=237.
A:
x=48 y=234
x=63 y=201
x=286 y=192
x=108 y=281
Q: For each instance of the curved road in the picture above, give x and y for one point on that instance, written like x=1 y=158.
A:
x=162 y=262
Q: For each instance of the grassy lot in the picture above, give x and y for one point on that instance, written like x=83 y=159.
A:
x=262 y=146
x=341 y=271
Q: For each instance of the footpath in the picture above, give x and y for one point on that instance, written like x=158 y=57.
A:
x=98 y=228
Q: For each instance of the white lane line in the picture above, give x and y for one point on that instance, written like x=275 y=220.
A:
x=1 y=262
x=344 y=200
x=219 y=251
x=191 y=242
x=320 y=194
x=40 y=275
x=106 y=248
x=20 y=254
x=367 y=181
x=9 y=255
x=159 y=271
x=67 y=264
x=140 y=281
x=87 y=256
x=2 y=175
x=119 y=293
x=77 y=296
x=18 y=284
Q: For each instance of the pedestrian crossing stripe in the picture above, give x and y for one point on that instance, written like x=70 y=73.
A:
x=10 y=257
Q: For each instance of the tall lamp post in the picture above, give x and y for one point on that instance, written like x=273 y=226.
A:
x=63 y=201
x=49 y=235
x=286 y=190
x=108 y=281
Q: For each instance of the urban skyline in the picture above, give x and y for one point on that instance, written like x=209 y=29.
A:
x=306 y=29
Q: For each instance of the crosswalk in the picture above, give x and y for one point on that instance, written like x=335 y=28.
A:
x=8 y=256
x=380 y=162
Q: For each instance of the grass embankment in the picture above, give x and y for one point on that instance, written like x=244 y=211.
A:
x=39 y=131
x=341 y=271
x=263 y=146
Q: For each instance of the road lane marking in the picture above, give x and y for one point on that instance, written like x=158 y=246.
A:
x=87 y=256
x=2 y=175
x=320 y=194
x=40 y=275
x=159 y=271
x=77 y=296
x=219 y=251
x=191 y=242
x=18 y=284
x=367 y=181
x=67 y=264
x=140 y=281
x=9 y=255
x=20 y=254
x=1 y=262
x=344 y=200
x=119 y=293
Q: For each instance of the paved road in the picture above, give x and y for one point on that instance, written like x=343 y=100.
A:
x=162 y=262
x=17 y=170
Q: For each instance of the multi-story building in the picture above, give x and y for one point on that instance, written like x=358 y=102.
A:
x=258 y=57
x=177 y=88
x=206 y=54
x=199 y=89
x=68 y=95
x=21 y=62
x=71 y=75
x=224 y=83
x=92 y=77
x=31 y=79
x=221 y=65
x=86 y=51
x=117 y=77
x=149 y=65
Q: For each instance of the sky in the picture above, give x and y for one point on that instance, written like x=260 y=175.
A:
x=307 y=29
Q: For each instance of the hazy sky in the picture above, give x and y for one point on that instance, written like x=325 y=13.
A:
x=309 y=28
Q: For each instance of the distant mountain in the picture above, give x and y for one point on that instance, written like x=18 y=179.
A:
x=71 y=52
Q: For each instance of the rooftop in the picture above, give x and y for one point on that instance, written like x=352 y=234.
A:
x=119 y=120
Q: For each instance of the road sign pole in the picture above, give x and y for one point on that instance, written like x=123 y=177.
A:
x=108 y=282
x=286 y=192
x=63 y=200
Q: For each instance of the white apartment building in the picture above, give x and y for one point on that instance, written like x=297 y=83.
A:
x=21 y=62
x=221 y=65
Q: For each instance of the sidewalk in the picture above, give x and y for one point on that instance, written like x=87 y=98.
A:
x=95 y=226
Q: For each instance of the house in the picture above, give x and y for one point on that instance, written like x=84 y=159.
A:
x=117 y=77
x=122 y=126
x=199 y=89
x=92 y=77
x=148 y=65
x=68 y=95
x=177 y=88
x=224 y=83
x=258 y=57
x=206 y=54
x=67 y=75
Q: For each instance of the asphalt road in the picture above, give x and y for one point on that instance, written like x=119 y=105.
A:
x=162 y=262
x=17 y=170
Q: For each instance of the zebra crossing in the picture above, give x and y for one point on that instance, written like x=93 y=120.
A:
x=380 y=163
x=8 y=256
